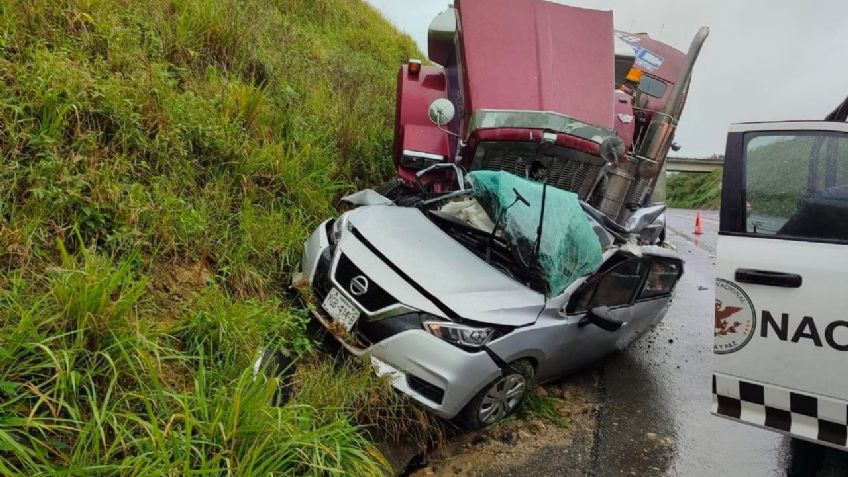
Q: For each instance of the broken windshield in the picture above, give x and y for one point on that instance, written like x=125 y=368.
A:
x=568 y=249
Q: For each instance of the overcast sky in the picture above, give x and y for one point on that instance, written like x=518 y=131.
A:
x=764 y=59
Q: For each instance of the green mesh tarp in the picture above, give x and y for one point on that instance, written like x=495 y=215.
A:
x=569 y=248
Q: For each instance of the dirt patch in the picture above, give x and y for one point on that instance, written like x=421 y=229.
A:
x=15 y=248
x=528 y=444
x=174 y=287
x=182 y=276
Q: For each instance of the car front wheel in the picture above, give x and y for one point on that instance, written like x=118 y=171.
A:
x=501 y=398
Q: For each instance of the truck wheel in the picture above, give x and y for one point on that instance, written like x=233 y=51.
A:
x=391 y=189
x=500 y=398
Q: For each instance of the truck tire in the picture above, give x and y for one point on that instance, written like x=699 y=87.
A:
x=500 y=398
x=392 y=189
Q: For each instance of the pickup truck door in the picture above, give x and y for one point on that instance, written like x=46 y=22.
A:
x=781 y=303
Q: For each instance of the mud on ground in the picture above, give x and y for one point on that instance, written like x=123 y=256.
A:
x=528 y=445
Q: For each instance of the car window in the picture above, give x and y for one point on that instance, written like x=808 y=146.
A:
x=796 y=184
x=662 y=275
x=616 y=288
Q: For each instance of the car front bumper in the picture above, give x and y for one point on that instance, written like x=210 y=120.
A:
x=435 y=373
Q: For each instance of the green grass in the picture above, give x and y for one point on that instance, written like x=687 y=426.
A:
x=694 y=190
x=546 y=408
x=778 y=175
x=162 y=163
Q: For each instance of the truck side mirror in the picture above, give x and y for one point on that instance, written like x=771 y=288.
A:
x=441 y=111
x=675 y=147
x=602 y=318
x=441 y=37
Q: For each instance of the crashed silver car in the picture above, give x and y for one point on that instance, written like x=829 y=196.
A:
x=465 y=302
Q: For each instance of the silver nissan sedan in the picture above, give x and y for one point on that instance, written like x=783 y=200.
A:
x=456 y=318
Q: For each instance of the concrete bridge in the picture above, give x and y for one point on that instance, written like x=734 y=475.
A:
x=688 y=164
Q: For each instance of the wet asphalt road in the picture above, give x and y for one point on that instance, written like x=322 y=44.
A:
x=656 y=416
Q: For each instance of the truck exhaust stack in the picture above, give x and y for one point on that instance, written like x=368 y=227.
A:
x=634 y=180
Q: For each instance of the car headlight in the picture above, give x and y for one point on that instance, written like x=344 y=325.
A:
x=339 y=226
x=461 y=335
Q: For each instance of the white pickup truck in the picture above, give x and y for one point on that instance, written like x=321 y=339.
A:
x=781 y=304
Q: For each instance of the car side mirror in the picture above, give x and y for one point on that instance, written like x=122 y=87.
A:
x=602 y=318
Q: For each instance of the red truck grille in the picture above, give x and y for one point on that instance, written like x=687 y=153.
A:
x=567 y=169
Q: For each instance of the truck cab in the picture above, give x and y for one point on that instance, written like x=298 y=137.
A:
x=781 y=329
x=513 y=73
x=532 y=84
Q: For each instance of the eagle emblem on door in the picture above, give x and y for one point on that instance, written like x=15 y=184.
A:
x=735 y=317
x=722 y=313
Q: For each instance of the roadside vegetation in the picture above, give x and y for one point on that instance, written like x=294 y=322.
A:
x=692 y=190
x=162 y=162
x=545 y=407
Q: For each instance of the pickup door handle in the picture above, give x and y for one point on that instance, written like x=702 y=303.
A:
x=768 y=278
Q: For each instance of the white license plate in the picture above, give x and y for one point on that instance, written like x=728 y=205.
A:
x=340 y=309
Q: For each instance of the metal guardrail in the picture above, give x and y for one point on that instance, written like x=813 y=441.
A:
x=683 y=164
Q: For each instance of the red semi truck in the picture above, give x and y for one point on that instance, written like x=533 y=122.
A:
x=521 y=84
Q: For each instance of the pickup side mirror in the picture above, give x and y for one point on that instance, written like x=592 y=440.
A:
x=602 y=318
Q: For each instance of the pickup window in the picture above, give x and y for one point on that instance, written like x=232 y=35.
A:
x=796 y=184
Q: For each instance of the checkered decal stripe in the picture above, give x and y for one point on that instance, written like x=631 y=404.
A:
x=800 y=414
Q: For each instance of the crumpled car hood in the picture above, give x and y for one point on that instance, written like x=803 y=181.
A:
x=444 y=268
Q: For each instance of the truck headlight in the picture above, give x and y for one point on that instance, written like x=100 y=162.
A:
x=419 y=160
x=461 y=335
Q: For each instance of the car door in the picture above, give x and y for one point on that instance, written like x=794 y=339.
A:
x=654 y=298
x=615 y=288
x=781 y=325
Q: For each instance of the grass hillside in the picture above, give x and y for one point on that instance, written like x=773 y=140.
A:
x=780 y=170
x=162 y=162
x=692 y=190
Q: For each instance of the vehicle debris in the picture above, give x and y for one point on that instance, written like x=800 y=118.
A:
x=540 y=94
x=466 y=322
x=466 y=289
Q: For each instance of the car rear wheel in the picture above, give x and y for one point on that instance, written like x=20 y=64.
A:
x=500 y=398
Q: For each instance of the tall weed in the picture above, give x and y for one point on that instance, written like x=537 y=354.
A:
x=162 y=162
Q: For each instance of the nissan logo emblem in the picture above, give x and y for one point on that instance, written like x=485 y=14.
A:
x=358 y=285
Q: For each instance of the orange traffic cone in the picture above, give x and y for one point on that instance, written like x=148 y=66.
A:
x=698 y=230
